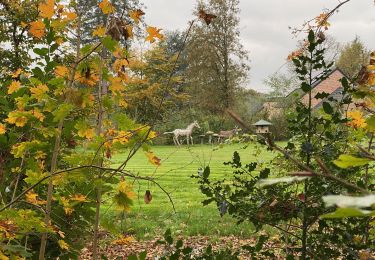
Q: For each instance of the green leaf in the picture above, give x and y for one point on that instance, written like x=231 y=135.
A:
x=311 y=36
x=305 y=87
x=132 y=257
x=142 y=256
x=206 y=172
x=61 y=112
x=371 y=123
x=41 y=51
x=347 y=213
x=109 y=43
x=346 y=161
x=327 y=108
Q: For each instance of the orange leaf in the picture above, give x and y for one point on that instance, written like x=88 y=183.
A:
x=61 y=71
x=37 y=29
x=46 y=9
x=106 y=7
x=2 y=129
x=69 y=15
x=153 y=33
x=136 y=15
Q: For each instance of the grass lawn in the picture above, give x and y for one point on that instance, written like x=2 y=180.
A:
x=191 y=217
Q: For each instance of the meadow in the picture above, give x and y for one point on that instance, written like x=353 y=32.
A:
x=178 y=164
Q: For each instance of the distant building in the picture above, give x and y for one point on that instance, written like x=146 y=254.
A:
x=331 y=86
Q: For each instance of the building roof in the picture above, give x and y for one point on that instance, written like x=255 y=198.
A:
x=262 y=123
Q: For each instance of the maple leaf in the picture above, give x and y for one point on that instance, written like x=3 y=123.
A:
x=124 y=196
x=32 y=198
x=13 y=87
x=116 y=84
x=87 y=133
x=37 y=29
x=63 y=245
x=125 y=240
x=39 y=91
x=16 y=118
x=46 y=9
x=136 y=15
x=59 y=41
x=123 y=137
x=120 y=64
x=99 y=31
x=38 y=115
x=357 y=120
x=2 y=129
x=152 y=158
x=16 y=73
x=206 y=17
x=61 y=71
x=153 y=33
x=78 y=197
x=106 y=7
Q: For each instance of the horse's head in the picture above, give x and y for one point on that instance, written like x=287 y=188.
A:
x=196 y=124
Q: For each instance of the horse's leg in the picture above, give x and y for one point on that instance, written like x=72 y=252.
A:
x=174 y=140
x=178 y=142
x=187 y=139
x=191 y=139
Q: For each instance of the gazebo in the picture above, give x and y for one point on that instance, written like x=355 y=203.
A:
x=262 y=127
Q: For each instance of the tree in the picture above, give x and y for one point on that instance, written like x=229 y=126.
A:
x=281 y=84
x=14 y=37
x=353 y=57
x=217 y=60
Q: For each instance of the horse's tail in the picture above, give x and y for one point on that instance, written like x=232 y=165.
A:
x=165 y=133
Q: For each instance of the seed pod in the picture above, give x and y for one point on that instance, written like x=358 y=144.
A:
x=148 y=197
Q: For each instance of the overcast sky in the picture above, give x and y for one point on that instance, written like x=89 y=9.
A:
x=264 y=26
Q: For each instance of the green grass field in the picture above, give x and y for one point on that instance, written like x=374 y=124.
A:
x=177 y=165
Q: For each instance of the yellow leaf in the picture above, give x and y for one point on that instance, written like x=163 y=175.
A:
x=2 y=129
x=32 y=198
x=16 y=73
x=357 y=120
x=37 y=29
x=14 y=86
x=23 y=24
x=129 y=29
x=120 y=64
x=46 y=9
x=123 y=137
x=63 y=245
x=39 y=115
x=87 y=133
x=39 y=91
x=152 y=158
x=106 y=7
x=16 y=118
x=59 y=41
x=153 y=33
x=125 y=240
x=116 y=84
x=136 y=15
x=99 y=31
x=79 y=197
x=61 y=71
x=371 y=79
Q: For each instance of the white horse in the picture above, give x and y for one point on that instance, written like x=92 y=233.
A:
x=184 y=132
